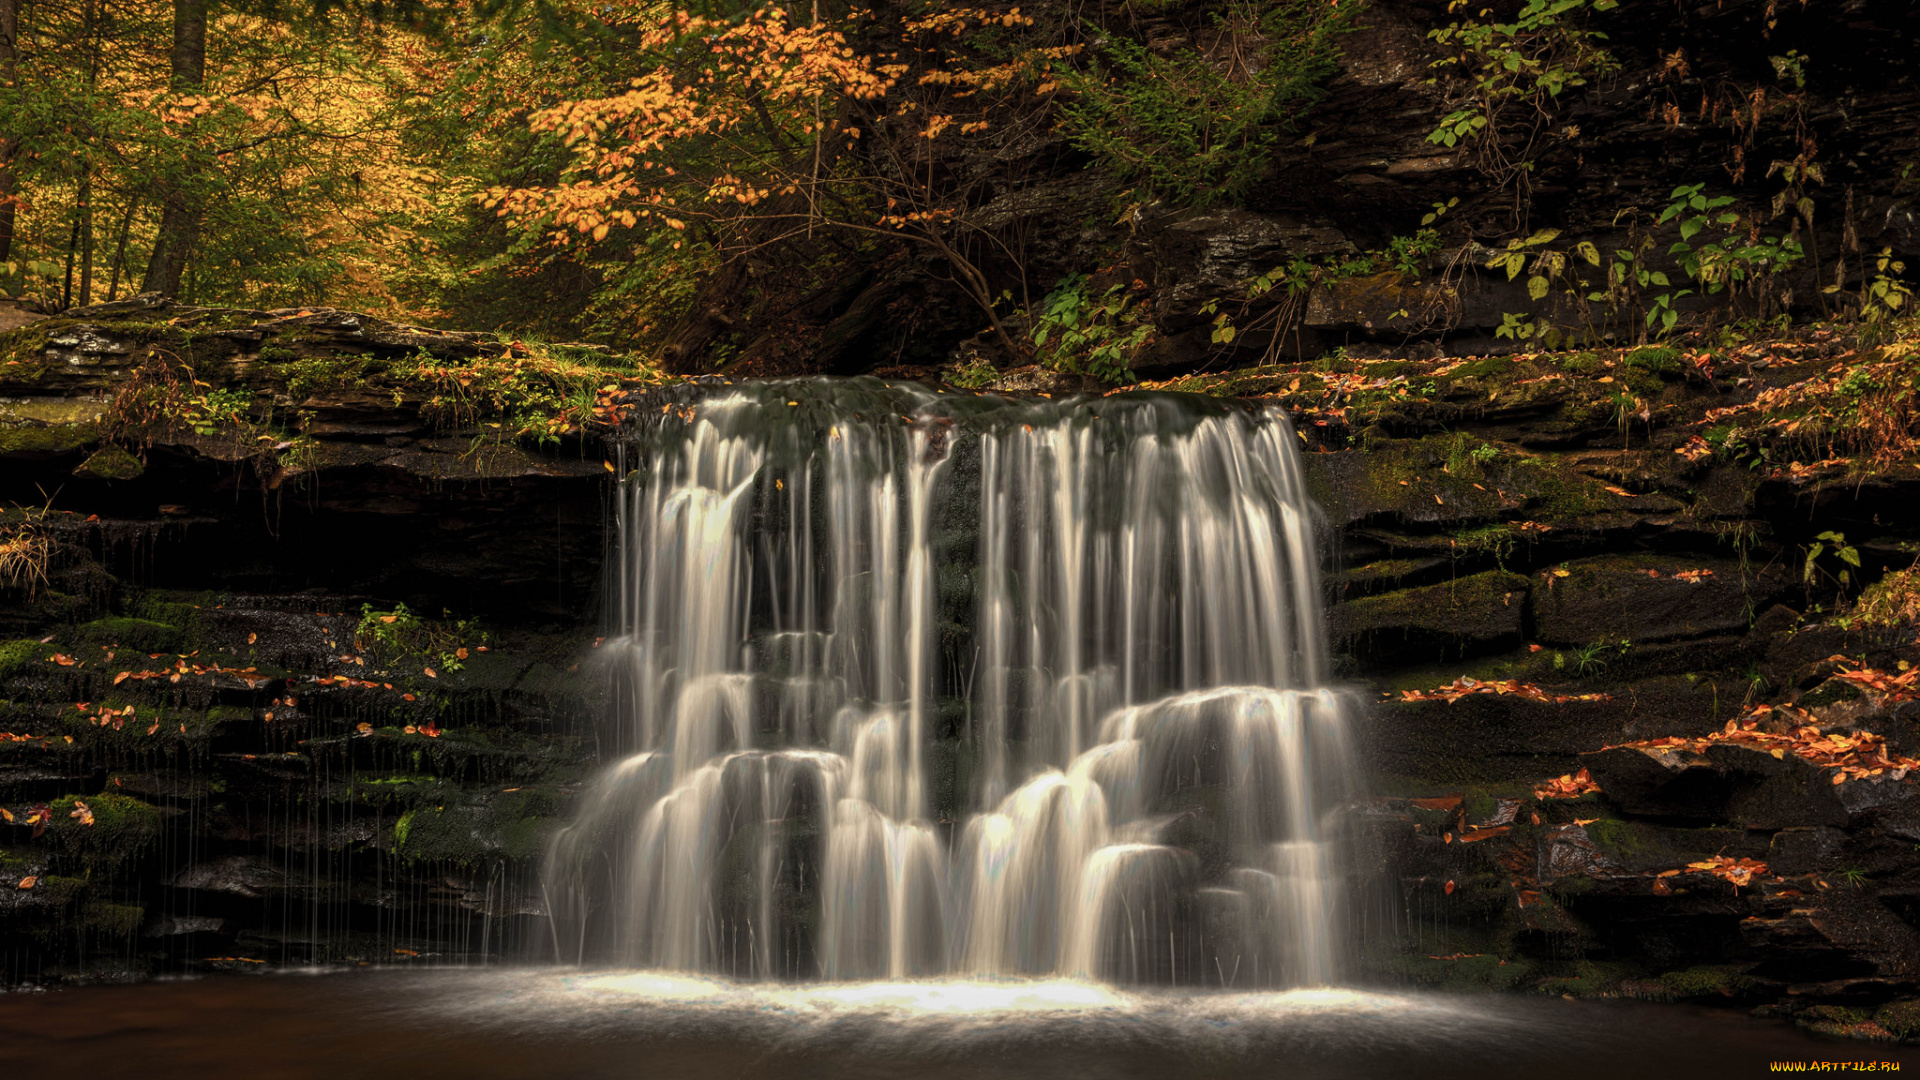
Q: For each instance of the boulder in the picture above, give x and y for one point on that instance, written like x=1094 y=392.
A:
x=1805 y=849
x=1660 y=781
x=1469 y=614
x=1635 y=597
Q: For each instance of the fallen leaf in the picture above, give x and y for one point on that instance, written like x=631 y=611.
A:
x=29 y=882
x=1449 y=889
x=430 y=673
x=251 y=638
x=81 y=811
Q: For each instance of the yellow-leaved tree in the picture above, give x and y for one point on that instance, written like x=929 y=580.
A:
x=749 y=133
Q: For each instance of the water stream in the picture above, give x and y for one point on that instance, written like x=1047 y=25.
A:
x=916 y=683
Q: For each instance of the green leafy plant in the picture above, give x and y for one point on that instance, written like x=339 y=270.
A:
x=1591 y=659
x=1195 y=127
x=1090 y=335
x=399 y=634
x=1836 y=543
x=973 y=374
x=1515 y=71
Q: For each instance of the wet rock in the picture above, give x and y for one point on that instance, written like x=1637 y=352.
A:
x=110 y=463
x=1382 y=302
x=1641 y=598
x=240 y=875
x=1805 y=849
x=1192 y=258
x=1467 y=615
x=1567 y=850
x=1660 y=781
x=176 y=925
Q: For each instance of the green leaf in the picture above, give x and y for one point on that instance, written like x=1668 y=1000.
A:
x=1537 y=287
x=1544 y=236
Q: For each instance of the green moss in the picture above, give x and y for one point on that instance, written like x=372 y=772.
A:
x=305 y=377
x=1831 y=692
x=113 y=920
x=110 y=462
x=1481 y=605
x=18 y=657
x=1591 y=979
x=122 y=825
x=1618 y=838
x=1467 y=972
x=142 y=634
x=514 y=824
x=1491 y=367
x=1655 y=359
x=1707 y=981
x=35 y=440
x=1901 y=1019
x=1582 y=363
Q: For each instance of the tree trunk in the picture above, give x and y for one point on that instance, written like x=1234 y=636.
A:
x=180 y=202
x=86 y=240
x=120 y=250
x=9 y=72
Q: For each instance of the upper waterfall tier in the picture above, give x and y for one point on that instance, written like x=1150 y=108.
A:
x=916 y=682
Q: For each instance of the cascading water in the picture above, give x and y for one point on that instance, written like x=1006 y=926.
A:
x=918 y=683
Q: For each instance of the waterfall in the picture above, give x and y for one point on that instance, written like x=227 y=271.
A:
x=914 y=683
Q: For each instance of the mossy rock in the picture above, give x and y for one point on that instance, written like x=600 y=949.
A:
x=144 y=635
x=17 y=657
x=1485 y=971
x=122 y=826
x=513 y=825
x=110 y=462
x=1707 y=982
x=112 y=920
x=44 y=441
x=1900 y=1019
x=1844 y=1022
x=1456 y=616
x=1641 y=598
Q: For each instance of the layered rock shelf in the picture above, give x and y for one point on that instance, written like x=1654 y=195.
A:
x=1547 y=606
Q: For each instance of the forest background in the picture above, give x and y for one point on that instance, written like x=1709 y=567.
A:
x=727 y=186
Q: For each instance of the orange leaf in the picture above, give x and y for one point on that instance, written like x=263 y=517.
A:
x=1449 y=886
x=430 y=673
x=29 y=882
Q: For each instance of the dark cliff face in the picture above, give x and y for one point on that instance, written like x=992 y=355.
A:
x=1734 y=95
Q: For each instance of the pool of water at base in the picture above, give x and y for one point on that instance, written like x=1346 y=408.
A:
x=522 y=1023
